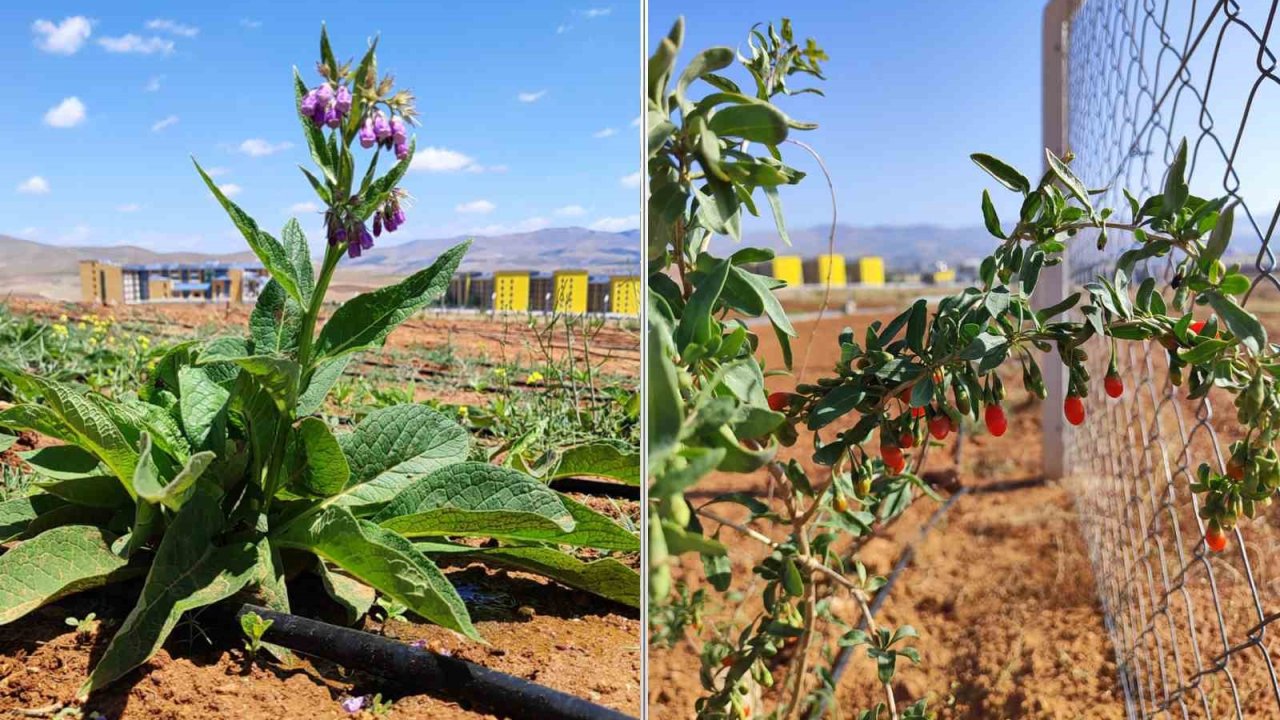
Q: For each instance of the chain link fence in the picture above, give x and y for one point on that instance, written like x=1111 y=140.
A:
x=1191 y=629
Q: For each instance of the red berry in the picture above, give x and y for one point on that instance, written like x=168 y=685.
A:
x=1114 y=385
x=779 y=401
x=1197 y=326
x=1073 y=408
x=1235 y=470
x=996 y=422
x=939 y=426
x=727 y=661
x=917 y=412
x=1215 y=539
x=905 y=396
x=893 y=459
x=906 y=440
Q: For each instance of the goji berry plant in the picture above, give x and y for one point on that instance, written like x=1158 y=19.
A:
x=217 y=474
x=897 y=386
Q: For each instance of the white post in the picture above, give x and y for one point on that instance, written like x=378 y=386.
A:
x=1055 y=282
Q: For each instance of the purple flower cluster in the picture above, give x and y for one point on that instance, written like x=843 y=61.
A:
x=387 y=134
x=325 y=106
x=358 y=235
x=390 y=216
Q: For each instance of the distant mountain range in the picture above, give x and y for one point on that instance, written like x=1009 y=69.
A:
x=903 y=247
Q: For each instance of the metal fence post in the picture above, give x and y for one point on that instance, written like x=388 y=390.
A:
x=1055 y=282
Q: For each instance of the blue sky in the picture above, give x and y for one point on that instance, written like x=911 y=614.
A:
x=527 y=109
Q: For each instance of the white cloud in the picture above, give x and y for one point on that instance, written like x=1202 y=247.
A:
x=257 y=147
x=68 y=113
x=230 y=189
x=29 y=231
x=528 y=97
x=434 y=159
x=476 y=207
x=216 y=171
x=523 y=226
x=167 y=122
x=250 y=23
x=571 y=211
x=174 y=28
x=129 y=207
x=478 y=168
x=598 y=12
x=64 y=38
x=631 y=181
x=562 y=29
x=153 y=84
x=303 y=207
x=607 y=132
x=616 y=224
x=636 y=122
x=136 y=44
x=34 y=185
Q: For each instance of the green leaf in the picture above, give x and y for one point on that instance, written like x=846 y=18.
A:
x=393 y=446
x=202 y=405
x=101 y=491
x=1002 y=172
x=478 y=500
x=701 y=304
x=989 y=216
x=16 y=515
x=775 y=204
x=599 y=459
x=384 y=560
x=756 y=122
x=354 y=596
x=1239 y=322
x=1068 y=179
x=321 y=468
x=605 y=577
x=1175 y=183
x=64 y=462
x=275 y=258
x=152 y=488
x=189 y=572
x=295 y=245
x=707 y=61
x=323 y=378
x=314 y=134
x=1220 y=236
x=365 y=320
x=381 y=188
x=591 y=529
x=275 y=321
x=54 y=564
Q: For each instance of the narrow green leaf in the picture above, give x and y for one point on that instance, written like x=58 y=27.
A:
x=1002 y=172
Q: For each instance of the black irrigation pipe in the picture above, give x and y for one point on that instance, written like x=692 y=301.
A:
x=421 y=670
x=599 y=488
x=882 y=595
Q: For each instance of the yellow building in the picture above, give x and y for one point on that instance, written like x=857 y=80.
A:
x=511 y=291
x=570 y=293
x=111 y=284
x=789 y=269
x=943 y=277
x=869 y=270
x=624 y=294
x=831 y=271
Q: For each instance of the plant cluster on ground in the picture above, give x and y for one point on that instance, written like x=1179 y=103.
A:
x=212 y=477
x=897 y=390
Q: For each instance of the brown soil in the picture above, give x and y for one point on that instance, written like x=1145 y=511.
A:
x=1001 y=590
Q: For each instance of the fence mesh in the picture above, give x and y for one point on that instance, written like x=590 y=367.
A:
x=1191 y=628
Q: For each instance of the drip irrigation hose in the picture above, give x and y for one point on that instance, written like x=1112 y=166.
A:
x=602 y=488
x=421 y=670
x=882 y=595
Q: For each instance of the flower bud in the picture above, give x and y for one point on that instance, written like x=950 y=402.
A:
x=390 y=221
x=367 y=138
x=318 y=115
x=337 y=235
x=342 y=100
x=381 y=127
x=324 y=93
x=399 y=216
x=377 y=224
x=402 y=150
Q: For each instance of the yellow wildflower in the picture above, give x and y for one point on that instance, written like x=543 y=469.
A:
x=534 y=377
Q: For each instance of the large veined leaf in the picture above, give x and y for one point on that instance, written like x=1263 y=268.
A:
x=295 y=246
x=99 y=491
x=319 y=467
x=354 y=596
x=600 y=459
x=384 y=560
x=476 y=499
x=155 y=489
x=54 y=564
x=189 y=571
x=63 y=462
x=595 y=530
x=274 y=256
x=605 y=577
x=322 y=381
x=202 y=404
x=275 y=321
x=365 y=320
x=17 y=514
x=393 y=446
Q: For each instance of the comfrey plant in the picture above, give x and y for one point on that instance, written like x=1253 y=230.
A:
x=217 y=480
x=901 y=383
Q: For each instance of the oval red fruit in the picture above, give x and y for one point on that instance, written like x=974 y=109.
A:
x=917 y=412
x=893 y=459
x=1073 y=408
x=1235 y=470
x=779 y=401
x=906 y=440
x=995 y=419
x=939 y=426
x=1215 y=539
x=1114 y=385
x=1197 y=326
